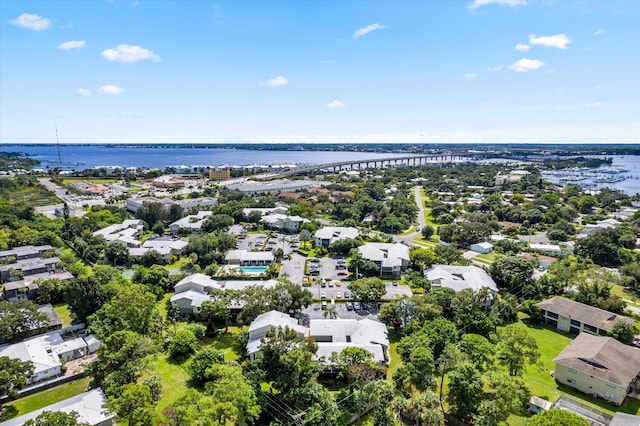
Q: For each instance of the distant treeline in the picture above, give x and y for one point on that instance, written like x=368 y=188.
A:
x=16 y=160
x=576 y=162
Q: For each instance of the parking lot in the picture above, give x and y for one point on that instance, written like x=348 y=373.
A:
x=315 y=311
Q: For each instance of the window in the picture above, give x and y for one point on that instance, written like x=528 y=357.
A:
x=573 y=370
x=609 y=395
x=590 y=329
x=552 y=315
x=571 y=380
x=611 y=385
x=575 y=323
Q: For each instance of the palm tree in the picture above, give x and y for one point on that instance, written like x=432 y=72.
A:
x=330 y=311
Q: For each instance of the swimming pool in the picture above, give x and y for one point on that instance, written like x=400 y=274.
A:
x=251 y=269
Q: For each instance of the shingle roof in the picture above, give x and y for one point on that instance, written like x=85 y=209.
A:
x=602 y=357
x=596 y=317
x=460 y=277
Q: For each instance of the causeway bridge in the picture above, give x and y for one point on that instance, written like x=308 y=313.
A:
x=378 y=163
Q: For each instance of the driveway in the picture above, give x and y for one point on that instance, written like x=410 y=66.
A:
x=394 y=292
x=408 y=239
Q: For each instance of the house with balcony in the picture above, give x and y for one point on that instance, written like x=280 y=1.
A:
x=326 y=236
x=599 y=366
x=575 y=317
x=391 y=258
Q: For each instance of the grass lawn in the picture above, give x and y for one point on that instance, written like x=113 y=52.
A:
x=62 y=309
x=409 y=231
x=42 y=399
x=541 y=383
x=395 y=362
x=632 y=298
x=67 y=181
x=492 y=257
x=35 y=196
x=174 y=379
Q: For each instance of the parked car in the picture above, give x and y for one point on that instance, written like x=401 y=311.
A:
x=343 y=273
x=323 y=295
x=347 y=294
x=338 y=295
x=349 y=306
x=356 y=306
x=395 y=283
x=330 y=283
x=324 y=304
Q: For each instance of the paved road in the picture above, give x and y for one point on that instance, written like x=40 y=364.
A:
x=408 y=239
x=73 y=201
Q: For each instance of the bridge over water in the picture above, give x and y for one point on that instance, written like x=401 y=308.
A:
x=378 y=163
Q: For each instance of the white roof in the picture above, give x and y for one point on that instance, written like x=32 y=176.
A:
x=193 y=221
x=200 y=280
x=484 y=245
x=245 y=256
x=197 y=298
x=38 y=350
x=389 y=254
x=364 y=331
x=326 y=349
x=266 y=321
x=460 y=277
x=88 y=405
x=544 y=247
x=243 y=284
x=335 y=233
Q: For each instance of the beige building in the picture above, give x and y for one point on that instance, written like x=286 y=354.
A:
x=599 y=366
x=574 y=317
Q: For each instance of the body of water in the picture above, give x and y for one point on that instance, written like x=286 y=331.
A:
x=90 y=156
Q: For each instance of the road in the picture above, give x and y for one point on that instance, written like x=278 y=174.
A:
x=71 y=200
x=422 y=222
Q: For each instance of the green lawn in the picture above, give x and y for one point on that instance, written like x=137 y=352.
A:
x=395 y=362
x=42 y=399
x=541 y=383
x=174 y=379
x=632 y=298
x=62 y=309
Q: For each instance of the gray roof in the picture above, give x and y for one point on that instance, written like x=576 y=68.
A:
x=596 y=317
x=197 y=298
x=624 y=419
x=601 y=357
x=460 y=277
x=88 y=405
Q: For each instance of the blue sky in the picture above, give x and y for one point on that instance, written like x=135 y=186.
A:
x=331 y=71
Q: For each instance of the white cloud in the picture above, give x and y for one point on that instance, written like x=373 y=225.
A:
x=32 y=22
x=110 y=89
x=83 y=92
x=127 y=54
x=593 y=104
x=72 y=44
x=366 y=30
x=524 y=65
x=599 y=32
x=471 y=76
x=496 y=68
x=559 y=41
x=522 y=47
x=477 y=3
x=275 y=81
x=335 y=104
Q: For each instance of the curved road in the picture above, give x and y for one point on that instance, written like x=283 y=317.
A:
x=422 y=222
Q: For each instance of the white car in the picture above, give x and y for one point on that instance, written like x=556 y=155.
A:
x=338 y=295
x=323 y=295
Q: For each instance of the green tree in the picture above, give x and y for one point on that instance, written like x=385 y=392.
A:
x=85 y=296
x=511 y=272
x=183 y=344
x=20 y=319
x=478 y=349
x=116 y=253
x=623 y=332
x=515 y=348
x=235 y=399
x=134 y=403
x=427 y=232
x=14 y=375
x=465 y=390
x=368 y=289
x=201 y=363
x=56 y=418
x=557 y=418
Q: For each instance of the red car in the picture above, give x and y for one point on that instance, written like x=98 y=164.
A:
x=343 y=273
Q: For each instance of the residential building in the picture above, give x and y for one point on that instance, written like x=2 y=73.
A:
x=191 y=223
x=254 y=187
x=249 y=258
x=547 y=248
x=198 y=282
x=283 y=222
x=24 y=252
x=513 y=176
x=124 y=233
x=574 y=317
x=88 y=405
x=46 y=352
x=189 y=302
x=165 y=247
x=28 y=267
x=599 y=366
x=332 y=336
x=219 y=174
x=392 y=258
x=460 y=278
x=133 y=204
x=269 y=321
x=326 y=236
x=482 y=247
